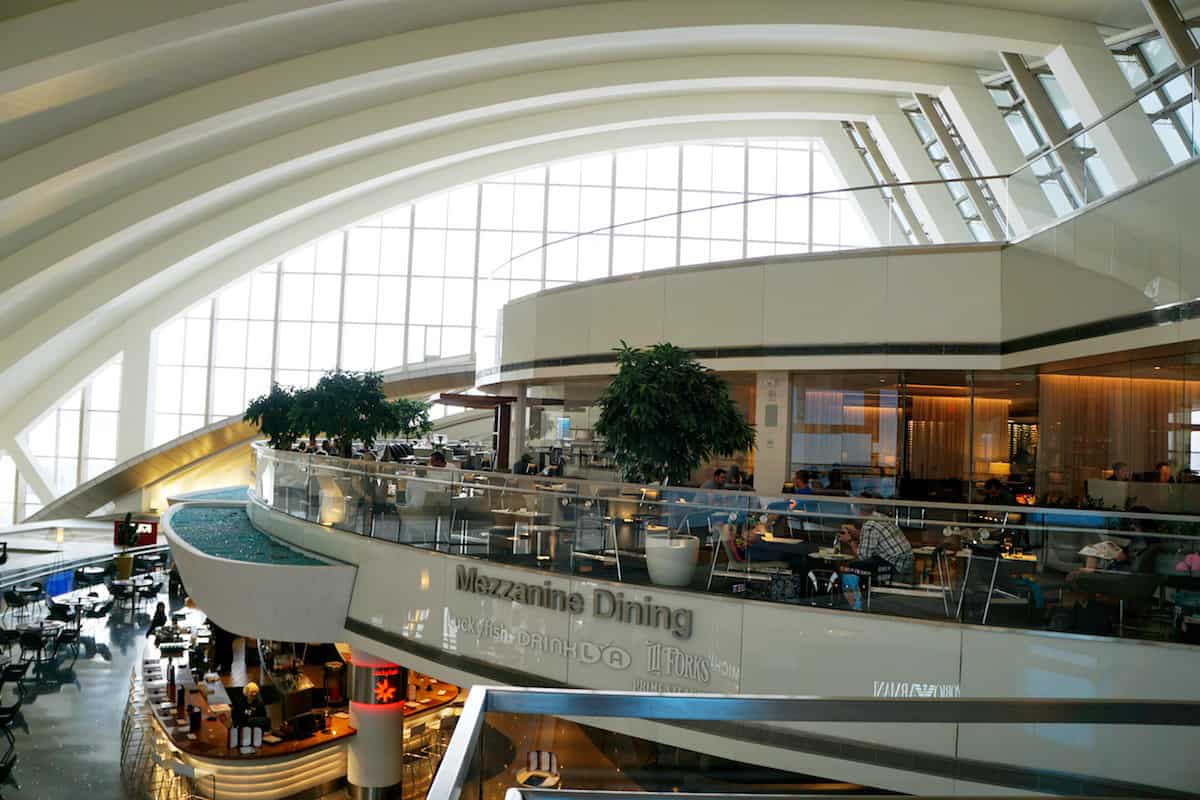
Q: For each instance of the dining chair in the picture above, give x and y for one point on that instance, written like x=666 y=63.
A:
x=15 y=603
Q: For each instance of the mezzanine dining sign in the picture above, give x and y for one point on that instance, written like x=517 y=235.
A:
x=605 y=604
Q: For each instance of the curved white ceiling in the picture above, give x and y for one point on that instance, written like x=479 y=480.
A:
x=144 y=143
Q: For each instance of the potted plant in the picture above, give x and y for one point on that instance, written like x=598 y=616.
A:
x=663 y=415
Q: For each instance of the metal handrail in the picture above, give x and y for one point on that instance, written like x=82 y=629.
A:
x=723 y=500
x=15 y=577
x=1147 y=88
x=746 y=202
x=456 y=763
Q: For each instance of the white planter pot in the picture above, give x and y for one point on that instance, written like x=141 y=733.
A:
x=671 y=560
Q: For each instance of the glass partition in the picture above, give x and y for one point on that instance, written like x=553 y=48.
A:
x=1107 y=573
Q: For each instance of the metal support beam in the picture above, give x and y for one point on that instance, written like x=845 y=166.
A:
x=1174 y=31
x=899 y=197
x=899 y=143
x=974 y=190
x=846 y=160
x=1047 y=118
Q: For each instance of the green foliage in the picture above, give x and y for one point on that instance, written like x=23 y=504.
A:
x=664 y=414
x=348 y=406
x=352 y=406
x=410 y=418
x=272 y=413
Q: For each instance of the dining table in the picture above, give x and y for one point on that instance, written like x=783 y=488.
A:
x=48 y=630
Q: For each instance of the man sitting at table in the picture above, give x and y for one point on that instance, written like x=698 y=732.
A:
x=717 y=481
x=878 y=543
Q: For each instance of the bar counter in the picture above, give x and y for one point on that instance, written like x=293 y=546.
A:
x=273 y=771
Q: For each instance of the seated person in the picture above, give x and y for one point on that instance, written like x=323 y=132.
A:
x=717 y=481
x=878 y=542
x=800 y=483
x=437 y=459
x=253 y=709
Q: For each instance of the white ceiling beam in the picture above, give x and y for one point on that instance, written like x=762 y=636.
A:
x=932 y=202
x=1095 y=87
x=995 y=152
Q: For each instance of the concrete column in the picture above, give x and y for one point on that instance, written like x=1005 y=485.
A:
x=846 y=161
x=133 y=435
x=932 y=203
x=1093 y=84
x=518 y=424
x=982 y=129
x=375 y=757
x=771 y=421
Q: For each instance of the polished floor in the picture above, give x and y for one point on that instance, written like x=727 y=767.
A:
x=72 y=747
x=69 y=747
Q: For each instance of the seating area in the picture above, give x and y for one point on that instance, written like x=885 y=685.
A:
x=1023 y=568
x=45 y=634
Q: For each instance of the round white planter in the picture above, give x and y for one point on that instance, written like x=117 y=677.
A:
x=671 y=560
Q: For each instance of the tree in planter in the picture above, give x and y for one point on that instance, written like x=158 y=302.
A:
x=274 y=414
x=664 y=414
x=347 y=405
x=307 y=414
x=410 y=419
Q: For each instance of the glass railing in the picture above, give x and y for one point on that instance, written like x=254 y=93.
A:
x=536 y=725
x=1105 y=573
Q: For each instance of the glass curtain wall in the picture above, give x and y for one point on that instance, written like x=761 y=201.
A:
x=413 y=284
x=76 y=440
x=914 y=434
x=1118 y=432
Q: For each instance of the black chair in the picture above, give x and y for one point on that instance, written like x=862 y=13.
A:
x=7 y=639
x=67 y=640
x=58 y=611
x=101 y=610
x=33 y=650
x=149 y=592
x=15 y=673
x=10 y=717
x=16 y=603
x=7 y=764
x=41 y=596
x=123 y=594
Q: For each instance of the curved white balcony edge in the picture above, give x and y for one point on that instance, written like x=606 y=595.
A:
x=289 y=602
x=463 y=618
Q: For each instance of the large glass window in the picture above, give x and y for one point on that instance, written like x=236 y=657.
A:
x=415 y=283
x=76 y=440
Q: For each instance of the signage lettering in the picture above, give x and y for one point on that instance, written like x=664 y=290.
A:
x=606 y=604
x=914 y=689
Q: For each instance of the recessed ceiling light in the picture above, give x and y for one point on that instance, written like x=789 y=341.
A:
x=1157 y=368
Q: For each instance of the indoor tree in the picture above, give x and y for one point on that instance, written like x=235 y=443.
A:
x=664 y=414
x=273 y=413
x=350 y=406
x=410 y=418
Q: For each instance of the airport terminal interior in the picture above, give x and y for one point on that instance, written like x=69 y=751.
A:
x=581 y=399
